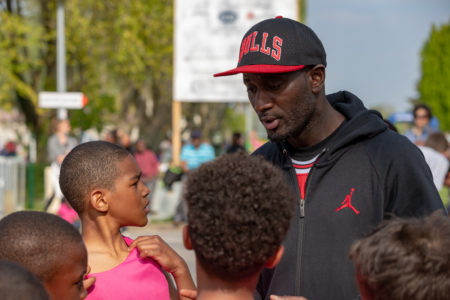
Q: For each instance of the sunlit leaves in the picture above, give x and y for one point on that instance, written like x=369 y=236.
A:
x=434 y=84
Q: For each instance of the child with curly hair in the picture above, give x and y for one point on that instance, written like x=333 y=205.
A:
x=236 y=224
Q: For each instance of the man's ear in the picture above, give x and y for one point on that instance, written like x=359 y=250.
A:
x=187 y=238
x=275 y=258
x=98 y=201
x=317 y=77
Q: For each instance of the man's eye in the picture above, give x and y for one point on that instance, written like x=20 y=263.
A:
x=273 y=86
x=251 y=89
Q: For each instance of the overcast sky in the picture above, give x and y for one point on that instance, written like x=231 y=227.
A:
x=373 y=46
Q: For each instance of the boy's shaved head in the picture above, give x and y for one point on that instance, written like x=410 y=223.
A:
x=88 y=166
x=18 y=283
x=239 y=210
x=37 y=240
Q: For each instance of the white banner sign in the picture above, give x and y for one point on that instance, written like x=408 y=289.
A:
x=69 y=100
x=208 y=35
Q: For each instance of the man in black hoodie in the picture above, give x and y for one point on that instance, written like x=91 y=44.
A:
x=349 y=171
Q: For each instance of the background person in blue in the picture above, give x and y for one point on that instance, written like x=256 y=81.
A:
x=421 y=128
x=195 y=153
x=192 y=156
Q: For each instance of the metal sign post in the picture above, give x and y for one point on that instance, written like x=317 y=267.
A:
x=60 y=57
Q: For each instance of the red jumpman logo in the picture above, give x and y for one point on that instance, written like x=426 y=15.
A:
x=348 y=203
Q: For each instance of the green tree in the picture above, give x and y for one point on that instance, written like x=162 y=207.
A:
x=21 y=41
x=118 y=53
x=434 y=85
x=121 y=52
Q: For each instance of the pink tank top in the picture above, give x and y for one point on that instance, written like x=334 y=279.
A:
x=135 y=278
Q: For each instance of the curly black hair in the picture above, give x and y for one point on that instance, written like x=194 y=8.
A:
x=239 y=210
x=89 y=165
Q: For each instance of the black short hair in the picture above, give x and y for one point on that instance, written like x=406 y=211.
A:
x=406 y=259
x=37 y=240
x=239 y=210
x=89 y=165
x=422 y=106
x=19 y=283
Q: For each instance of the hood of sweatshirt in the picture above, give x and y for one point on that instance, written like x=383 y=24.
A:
x=361 y=124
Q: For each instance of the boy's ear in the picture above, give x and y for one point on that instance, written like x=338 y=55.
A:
x=275 y=258
x=187 y=238
x=98 y=201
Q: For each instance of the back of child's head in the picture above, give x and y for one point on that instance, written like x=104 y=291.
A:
x=89 y=165
x=437 y=141
x=48 y=246
x=19 y=283
x=405 y=259
x=239 y=210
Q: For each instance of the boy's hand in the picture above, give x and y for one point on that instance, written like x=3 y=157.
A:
x=189 y=294
x=154 y=246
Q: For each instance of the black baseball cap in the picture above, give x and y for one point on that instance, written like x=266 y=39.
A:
x=278 y=45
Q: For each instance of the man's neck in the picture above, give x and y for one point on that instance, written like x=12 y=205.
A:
x=324 y=122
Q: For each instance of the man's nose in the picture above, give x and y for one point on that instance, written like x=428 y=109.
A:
x=262 y=101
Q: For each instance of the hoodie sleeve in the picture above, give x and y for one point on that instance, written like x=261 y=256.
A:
x=408 y=183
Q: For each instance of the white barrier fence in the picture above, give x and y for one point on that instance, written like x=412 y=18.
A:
x=12 y=184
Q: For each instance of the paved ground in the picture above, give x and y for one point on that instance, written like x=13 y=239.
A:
x=171 y=234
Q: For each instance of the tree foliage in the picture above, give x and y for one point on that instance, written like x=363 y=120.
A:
x=21 y=42
x=118 y=53
x=434 y=84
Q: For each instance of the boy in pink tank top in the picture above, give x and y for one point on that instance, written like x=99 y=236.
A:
x=103 y=183
x=236 y=224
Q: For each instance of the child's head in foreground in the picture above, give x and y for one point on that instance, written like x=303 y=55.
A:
x=405 y=259
x=239 y=210
x=101 y=178
x=49 y=247
x=18 y=283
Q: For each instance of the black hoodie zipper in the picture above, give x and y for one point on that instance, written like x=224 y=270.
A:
x=301 y=213
x=294 y=181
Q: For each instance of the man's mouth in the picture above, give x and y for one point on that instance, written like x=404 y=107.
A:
x=270 y=123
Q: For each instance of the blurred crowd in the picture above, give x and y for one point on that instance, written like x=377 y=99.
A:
x=424 y=132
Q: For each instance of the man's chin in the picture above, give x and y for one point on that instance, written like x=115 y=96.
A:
x=273 y=137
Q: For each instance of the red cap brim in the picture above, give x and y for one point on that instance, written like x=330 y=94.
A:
x=260 y=69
